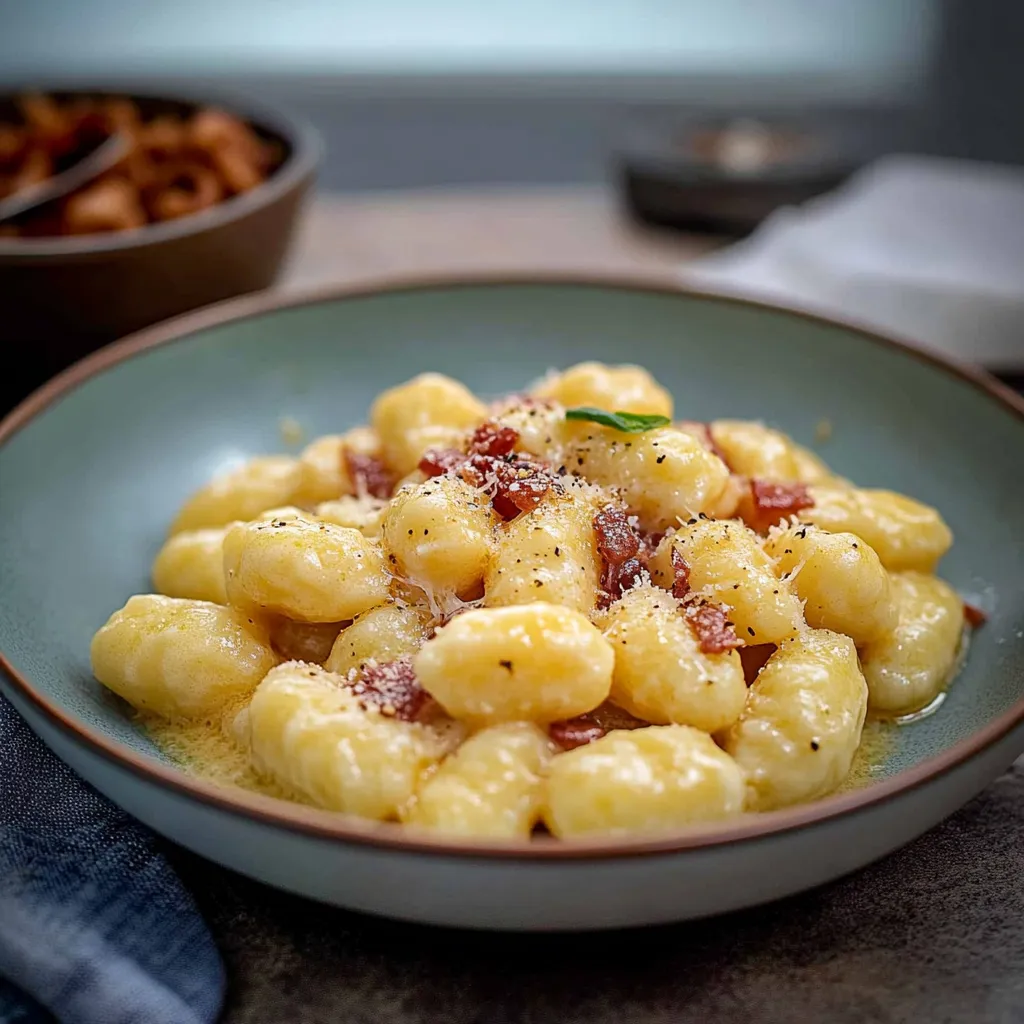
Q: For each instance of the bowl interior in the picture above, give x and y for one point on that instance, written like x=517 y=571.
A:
x=89 y=485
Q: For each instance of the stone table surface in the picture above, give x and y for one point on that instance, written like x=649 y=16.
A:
x=933 y=933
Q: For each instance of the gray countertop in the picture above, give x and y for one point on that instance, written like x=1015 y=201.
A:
x=933 y=933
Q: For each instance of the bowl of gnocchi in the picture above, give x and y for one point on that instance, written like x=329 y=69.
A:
x=526 y=604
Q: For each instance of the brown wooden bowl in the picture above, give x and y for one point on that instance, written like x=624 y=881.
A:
x=63 y=296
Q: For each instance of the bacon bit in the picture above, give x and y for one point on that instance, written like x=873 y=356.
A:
x=527 y=491
x=393 y=687
x=514 y=483
x=577 y=732
x=680 y=575
x=974 y=616
x=438 y=461
x=616 y=539
x=369 y=473
x=754 y=658
x=519 y=483
x=624 y=556
x=773 y=502
x=493 y=439
x=714 y=631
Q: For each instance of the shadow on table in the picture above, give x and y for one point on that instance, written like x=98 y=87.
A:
x=933 y=933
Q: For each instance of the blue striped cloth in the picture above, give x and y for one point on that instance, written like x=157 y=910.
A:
x=95 y=927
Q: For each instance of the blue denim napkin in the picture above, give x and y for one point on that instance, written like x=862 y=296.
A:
x=95 y=927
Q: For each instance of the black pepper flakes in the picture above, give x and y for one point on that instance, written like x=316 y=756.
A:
x=507 y=665
x=660 y=459
x=750 y=630
x=815 y=745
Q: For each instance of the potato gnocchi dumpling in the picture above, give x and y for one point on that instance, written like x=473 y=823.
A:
x=663 y=475
x=438 y=536
x=557 y=611
x=641 y=781
x=363 y=514
x=839 y=578
x=243 y=493
x=535 y=662
x=307 y=571
x=431 y=411
x=382 y=634
x=549 y=554
x=310 y=733
x=908 y=666
x=661 y=675
x=327 y=471
x=180 y=658
x=905 y=533
x=191 y=564
x=754 y=450
x=724 y=562
x=619 y=388
x=802 y=722
x=493 y=786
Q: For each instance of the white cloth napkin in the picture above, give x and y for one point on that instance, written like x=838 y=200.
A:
x=927 y=248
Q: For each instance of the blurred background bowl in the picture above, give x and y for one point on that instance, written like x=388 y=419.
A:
x=63 y=296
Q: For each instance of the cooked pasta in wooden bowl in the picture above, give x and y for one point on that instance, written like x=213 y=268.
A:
x=597 y=645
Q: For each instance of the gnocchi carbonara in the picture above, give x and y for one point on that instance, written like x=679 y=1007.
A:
x=563 y=610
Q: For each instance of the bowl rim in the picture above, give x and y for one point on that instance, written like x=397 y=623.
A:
x=305 y=145
x=393 y=837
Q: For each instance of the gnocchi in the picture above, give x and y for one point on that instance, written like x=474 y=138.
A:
x=492 y=786
x=191 y=564
x=663 y=475
x=381 y=634
x=549 y=554
x=621 y=388
x=180 y=658
x=802 y=721
x=839 y=578
x=905 y=533
x=642 y=781
x=725 y=562
x=908 y=666
x=661 y=675
x=328 y=468
x=305 y=570
x=432 y=411
x=536 y=662
x=310 y=733
x=558 y=611
x=243 y=493
x=437 y=535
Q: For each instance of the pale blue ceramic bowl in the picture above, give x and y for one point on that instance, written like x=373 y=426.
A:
x=93 y=466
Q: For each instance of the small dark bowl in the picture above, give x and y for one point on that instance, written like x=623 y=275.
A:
x=63 y=296
x=673 y=175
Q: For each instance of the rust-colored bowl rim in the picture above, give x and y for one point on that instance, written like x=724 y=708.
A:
x=325 y=825
x=304 y=152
